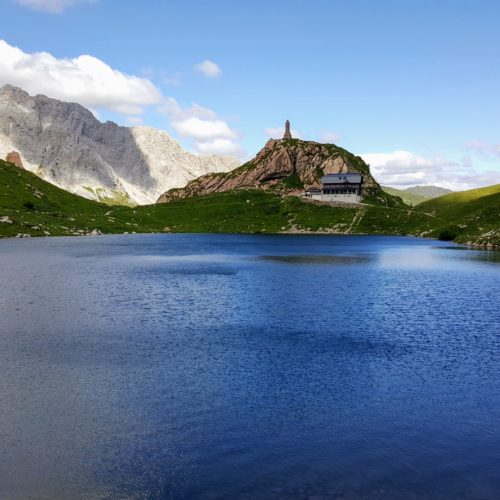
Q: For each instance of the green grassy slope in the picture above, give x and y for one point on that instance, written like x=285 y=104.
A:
x=466 y=216
x=38 y=208
x=428 y=192
x=409 y=198
x=29 y=205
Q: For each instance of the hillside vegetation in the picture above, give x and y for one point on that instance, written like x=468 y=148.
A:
x=417 y=194
x=467 y=216
x=428 y=191
x=409 y=198
x=31 y=206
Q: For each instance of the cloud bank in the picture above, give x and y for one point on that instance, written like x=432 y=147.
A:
x=402 y=169
x=95 y=85
x=84 y=79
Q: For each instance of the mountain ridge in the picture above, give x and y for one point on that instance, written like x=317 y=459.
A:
x=417 y=194
x=428 y=191
x=66 y=145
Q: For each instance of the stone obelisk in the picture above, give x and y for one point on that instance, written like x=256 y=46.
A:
x=287 y=134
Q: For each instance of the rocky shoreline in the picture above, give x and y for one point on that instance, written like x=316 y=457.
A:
x=290 y=232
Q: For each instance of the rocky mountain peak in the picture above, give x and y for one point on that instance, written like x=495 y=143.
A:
x=11 y=91
x=288 y=165
x=65 y=144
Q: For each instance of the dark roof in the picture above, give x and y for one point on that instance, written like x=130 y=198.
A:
x=351 y=178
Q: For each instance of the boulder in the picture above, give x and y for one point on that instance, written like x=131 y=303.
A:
x=15 y=158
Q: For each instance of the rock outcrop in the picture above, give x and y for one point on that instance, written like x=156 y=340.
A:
x=289 y=165
x=15 y=158
x=66 y=145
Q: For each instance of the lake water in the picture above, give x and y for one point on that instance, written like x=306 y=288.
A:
x=234 y=366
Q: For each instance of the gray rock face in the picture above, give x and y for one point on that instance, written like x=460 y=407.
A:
x=66 y=145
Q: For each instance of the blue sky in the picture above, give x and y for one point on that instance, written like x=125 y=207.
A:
x=410 y=85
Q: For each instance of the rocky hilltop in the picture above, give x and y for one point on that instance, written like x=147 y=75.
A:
x=66 y=145
x=289 y=165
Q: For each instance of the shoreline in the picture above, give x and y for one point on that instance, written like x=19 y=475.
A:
x=292 y=232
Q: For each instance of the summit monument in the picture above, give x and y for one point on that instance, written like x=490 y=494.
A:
x=287 y=134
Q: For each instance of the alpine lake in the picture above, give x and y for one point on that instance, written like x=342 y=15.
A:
x=248 y=366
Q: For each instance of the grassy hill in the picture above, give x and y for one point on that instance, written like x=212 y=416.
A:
x=466 y=216
x=409 y=198
x=428 y=191
x=31 y=206
x=417 y=194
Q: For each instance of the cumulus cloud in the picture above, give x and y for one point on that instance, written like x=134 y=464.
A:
x=209 y=69
x=210 y=133
x=52 y=6
x=403 y=169
x=173 y=109
x=219 y=146
x=203 y=129
x=84 y=79
x=277 y=132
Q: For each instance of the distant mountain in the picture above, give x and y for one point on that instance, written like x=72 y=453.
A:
x=417 y=194
x=287 y=166
x=409 y=198
x=66 y=145
x=428 y=191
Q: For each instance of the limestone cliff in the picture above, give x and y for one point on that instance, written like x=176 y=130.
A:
x=290 y=165
x=66 y=145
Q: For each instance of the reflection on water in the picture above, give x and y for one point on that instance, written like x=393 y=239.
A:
x=317 y=259
x=236 y=366
x=472 y=254
x=487 y=256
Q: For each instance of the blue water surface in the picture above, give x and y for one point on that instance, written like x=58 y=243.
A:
x=241 y=366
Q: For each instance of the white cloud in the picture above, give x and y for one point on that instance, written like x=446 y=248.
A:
x=330 y=137
x=52 y=6
x=219 y=146
x=210 y=133
x=403 y=169
x=173 y=109
x=208 y=69
x=277 y=132
x=84 y=79
x=203 y=129
x=92 y=83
